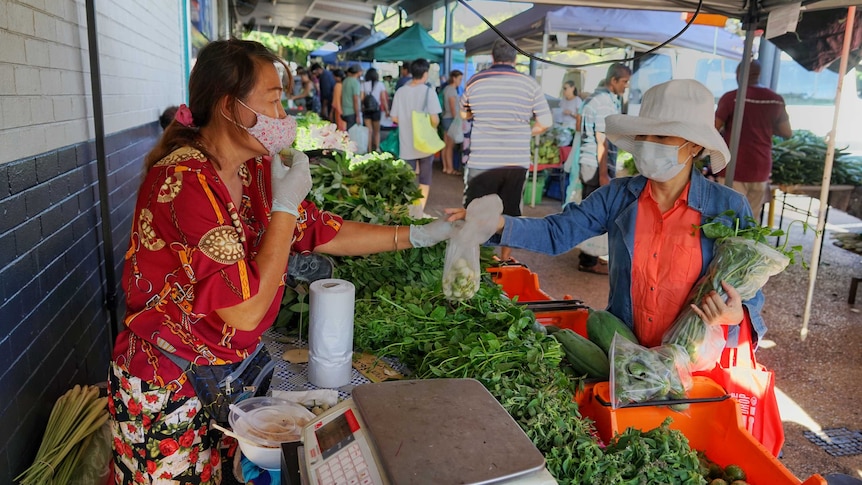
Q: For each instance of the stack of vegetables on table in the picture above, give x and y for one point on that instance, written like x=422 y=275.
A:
x=799 y=160
x=547 y=150
x=402 y=312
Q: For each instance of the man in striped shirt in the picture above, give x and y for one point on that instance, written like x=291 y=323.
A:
x=502 y=103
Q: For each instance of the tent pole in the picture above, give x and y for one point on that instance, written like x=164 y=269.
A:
x=447 y=52
x=536 y=137
x=827 y=173
x=739 y=107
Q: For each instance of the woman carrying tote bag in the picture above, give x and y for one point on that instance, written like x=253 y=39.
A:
x=417 y=97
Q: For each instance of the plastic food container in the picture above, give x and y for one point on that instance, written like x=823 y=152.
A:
x=711 y=426
x=265 y=423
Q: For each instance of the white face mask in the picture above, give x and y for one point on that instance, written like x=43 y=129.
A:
x=656 y=161
x=275 y=134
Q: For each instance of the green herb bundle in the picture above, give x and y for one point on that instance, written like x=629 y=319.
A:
x=743 y=259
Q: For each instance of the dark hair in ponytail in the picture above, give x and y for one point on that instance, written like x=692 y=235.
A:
x=223 y=68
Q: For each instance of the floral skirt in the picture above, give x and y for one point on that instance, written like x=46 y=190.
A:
x=159 y=437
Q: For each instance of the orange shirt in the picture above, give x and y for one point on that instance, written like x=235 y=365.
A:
x=665 y=265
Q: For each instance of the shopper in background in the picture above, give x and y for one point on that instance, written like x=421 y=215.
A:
x=326 y=85
x=501 y=102
x=405 y=77
x=655 y=255
x=351 y=96
x=764 y=115
x=216 y=219
x=598 y=156
x=377 y=90
x=307 y=96
x=451 y=109
x=416 y=95
x=570 y=106
x=337 y=111
x=167 y=116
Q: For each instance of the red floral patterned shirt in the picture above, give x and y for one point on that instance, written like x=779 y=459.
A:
x=191 y=252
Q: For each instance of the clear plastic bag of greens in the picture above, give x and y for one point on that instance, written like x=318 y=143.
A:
x=93 y=467
x=461 y=271
x=639 y=374
x=742 y=263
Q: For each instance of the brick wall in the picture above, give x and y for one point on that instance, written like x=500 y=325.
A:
x=54 y=325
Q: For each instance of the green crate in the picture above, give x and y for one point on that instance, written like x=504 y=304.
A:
x=528 y=189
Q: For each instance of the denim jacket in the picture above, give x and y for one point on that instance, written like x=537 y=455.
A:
x=612 y=209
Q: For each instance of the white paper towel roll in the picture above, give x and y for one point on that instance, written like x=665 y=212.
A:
x=330 y=332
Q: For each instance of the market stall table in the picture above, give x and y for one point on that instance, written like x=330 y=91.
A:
x=839 y=198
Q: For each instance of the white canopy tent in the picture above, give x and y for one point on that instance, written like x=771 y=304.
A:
x=592 y=26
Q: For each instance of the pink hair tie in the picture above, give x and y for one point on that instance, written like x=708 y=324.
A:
x=184 y=116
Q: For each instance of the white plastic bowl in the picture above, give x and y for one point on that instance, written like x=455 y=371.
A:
x=268 y=422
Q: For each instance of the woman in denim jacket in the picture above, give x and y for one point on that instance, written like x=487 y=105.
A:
x=656 y=253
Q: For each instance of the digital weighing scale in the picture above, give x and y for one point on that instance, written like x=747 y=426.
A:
x=429 y=431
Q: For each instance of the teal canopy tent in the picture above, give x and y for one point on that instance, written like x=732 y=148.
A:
x=404 y=44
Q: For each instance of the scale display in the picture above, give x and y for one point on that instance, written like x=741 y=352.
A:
x=334 y=435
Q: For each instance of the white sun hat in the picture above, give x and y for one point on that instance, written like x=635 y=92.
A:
x=683 y=108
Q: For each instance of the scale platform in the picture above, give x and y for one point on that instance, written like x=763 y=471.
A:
x=416 y=432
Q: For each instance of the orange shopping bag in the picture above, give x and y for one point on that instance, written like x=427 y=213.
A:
x=753 y=387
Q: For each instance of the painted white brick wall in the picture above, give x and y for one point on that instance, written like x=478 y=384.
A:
x=45 y=90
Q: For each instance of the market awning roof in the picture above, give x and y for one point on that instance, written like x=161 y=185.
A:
x=591 y=27
x=342 y=21
x=731 y=8
x=405 y=44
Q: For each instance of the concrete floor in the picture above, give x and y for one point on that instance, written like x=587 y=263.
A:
x=818 y=378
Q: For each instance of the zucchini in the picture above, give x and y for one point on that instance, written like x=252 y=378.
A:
x=584 y=356
x=601 y=327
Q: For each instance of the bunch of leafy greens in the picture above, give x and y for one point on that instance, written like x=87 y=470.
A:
x=375 y=188
x=718 y=228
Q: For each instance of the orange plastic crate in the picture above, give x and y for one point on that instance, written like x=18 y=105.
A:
x=575 y=320
x=711 y=427
x=518 y=281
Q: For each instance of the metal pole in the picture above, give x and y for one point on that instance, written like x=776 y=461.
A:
x=447 y=52
x=739 y=107
x=535 y=170
x=827 y=174
x=102 y=167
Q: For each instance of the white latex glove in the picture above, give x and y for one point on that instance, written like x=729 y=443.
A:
x=422 y=236
x=290 y=185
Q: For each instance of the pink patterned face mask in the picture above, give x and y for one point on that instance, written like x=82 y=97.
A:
x=275 y=134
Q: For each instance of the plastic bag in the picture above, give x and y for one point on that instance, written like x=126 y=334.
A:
x=461 y=270
x=456 y=130
x=639 y=374
x=742 y=263
x=359 y=135
x=94 y=466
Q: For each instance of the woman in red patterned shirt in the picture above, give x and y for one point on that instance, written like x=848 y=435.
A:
x=217 y=216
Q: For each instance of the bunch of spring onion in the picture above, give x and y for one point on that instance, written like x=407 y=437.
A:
x=75 y=417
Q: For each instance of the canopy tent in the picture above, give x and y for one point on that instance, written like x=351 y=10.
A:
x=404 y=44
x=604 y=27
x=336 y=57
x=731 y=8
